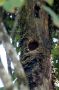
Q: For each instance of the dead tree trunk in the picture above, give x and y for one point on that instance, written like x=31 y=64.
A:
x=35 y=45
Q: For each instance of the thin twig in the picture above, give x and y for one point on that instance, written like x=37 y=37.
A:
x=6 y=78
x=15 y=23
x=4 y=37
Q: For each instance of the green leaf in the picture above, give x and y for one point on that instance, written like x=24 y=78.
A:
x=50 y=2
x=2 y=2
x=55 y=51
x=9 y=5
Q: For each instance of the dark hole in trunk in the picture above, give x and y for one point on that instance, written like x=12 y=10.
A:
x=36 y=10
x=33 y=45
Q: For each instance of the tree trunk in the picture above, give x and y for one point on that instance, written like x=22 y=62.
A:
x=35 y=45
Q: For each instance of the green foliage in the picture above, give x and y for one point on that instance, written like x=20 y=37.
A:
x=57 y=88
x=55 y=51
x=10 y=5
x=2 y=2
x=8 y=23
x=55 y=55
x=50 y=2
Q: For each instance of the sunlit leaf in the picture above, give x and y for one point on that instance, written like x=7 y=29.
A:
x=9 y=5
x=50 y=2
x=2 y=2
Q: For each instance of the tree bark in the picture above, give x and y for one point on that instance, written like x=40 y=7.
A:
x=35 y=45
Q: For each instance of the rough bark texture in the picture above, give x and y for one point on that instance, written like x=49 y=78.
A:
x=35 y=45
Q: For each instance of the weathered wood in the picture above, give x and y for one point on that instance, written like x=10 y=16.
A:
x=35 y=46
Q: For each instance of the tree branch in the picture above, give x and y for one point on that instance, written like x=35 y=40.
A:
x=5 y=39
x=15 y=23
x=6 y=79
